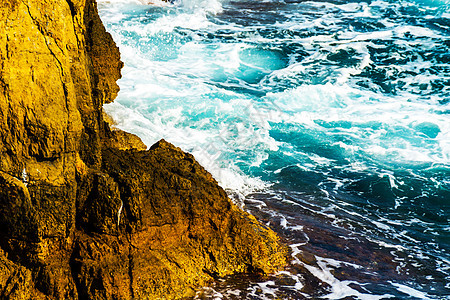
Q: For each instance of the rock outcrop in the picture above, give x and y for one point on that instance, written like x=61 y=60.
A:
x=86 y=212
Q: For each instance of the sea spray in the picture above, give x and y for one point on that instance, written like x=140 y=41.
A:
x=330 y=117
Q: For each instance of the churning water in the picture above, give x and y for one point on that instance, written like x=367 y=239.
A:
x=328 y=120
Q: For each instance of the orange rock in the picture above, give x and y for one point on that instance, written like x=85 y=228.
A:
x=81 y=215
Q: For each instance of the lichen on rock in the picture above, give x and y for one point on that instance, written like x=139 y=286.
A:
x=96 y=215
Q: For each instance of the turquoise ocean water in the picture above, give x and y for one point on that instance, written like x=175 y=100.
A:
x=328 y=120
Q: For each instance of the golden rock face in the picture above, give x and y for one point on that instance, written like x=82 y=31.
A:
x=82 y=217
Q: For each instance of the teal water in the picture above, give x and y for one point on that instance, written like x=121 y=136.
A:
x=328 y=120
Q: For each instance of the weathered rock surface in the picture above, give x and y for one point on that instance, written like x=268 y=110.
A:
x=85 y=211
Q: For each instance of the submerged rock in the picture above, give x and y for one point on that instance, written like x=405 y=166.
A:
x=85 y=211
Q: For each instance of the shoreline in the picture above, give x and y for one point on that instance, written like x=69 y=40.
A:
x=86 y=212
x=343 y=184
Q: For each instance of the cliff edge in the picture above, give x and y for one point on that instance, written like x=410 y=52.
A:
x=85 y=211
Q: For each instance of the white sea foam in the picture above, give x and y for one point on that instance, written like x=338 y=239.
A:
x=342 y=103
x=410 y=291
x=119 y=1
x=213 y=6
x=338 y=289
x=209 y=156
x=176 y=87
x=209 y=6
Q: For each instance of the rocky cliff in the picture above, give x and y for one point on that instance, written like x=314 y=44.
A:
x=85 y=211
